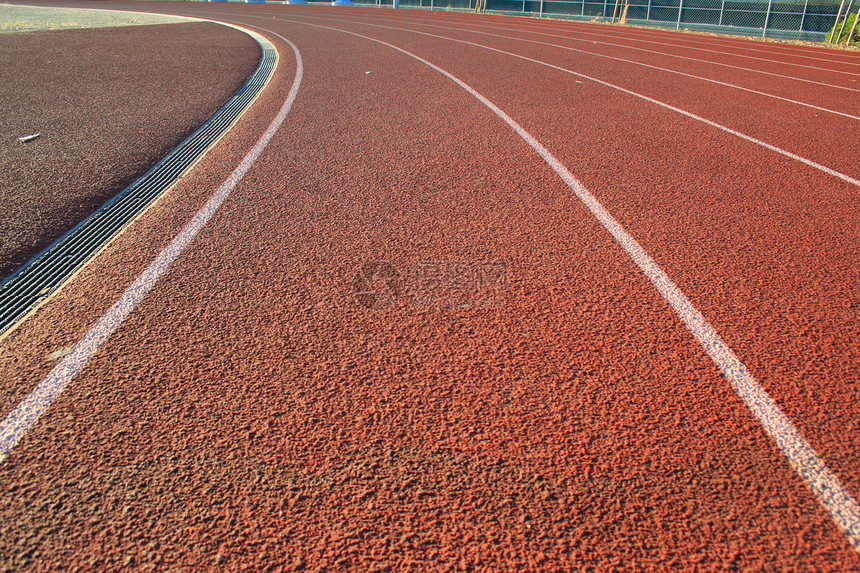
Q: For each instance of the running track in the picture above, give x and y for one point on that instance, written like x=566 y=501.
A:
x=678 y=216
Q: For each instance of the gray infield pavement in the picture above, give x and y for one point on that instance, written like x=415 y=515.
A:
x=19 y=18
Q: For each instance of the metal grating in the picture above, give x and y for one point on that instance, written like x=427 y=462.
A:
x=22 y=291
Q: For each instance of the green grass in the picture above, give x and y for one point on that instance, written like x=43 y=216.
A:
x=855 y=40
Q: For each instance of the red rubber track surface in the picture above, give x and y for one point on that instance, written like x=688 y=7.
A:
x=250 y=413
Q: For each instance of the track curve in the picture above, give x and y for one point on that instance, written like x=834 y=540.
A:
x=251 y=403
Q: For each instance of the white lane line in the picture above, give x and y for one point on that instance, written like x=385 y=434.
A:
x=634 y=62
x=532 y=25
x=25 y=415
x=603 y=42
x=785 y=51
x=733 y=54
x=790 y=155
x=826 y=486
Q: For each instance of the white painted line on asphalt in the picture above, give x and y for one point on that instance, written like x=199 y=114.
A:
x=826 y=486
x=634 y=62
x=25 y=415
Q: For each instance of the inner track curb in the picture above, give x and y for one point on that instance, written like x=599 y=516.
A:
x=26 y=289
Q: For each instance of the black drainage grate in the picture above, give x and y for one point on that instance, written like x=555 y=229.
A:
x=22 y=291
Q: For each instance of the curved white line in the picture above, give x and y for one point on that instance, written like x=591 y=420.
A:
x=711 y=51
x=603 y=42
x=25 y=415
x=789 y=154
x=634 y=62
x=827 y=487
x=732 y=42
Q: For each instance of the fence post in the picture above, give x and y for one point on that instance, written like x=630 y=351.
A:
x=648 y=13
x=582 y=12
x=680 y=7
x=845 y=20
x=723 y=10
x=802 y=19
x=766 y=18
x=838 y=15
x=541 y=8
x=853 y=27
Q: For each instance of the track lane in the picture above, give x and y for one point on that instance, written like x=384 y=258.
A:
x=697 y=64
x=544 y=293
x=176 y=446
x=813 y=98
x=834 y=206
x=632 y=49
x=844 y=451
x=845 y=58
x=849 y=423
x=676 y=41
x=780 y=126
x=596 y=39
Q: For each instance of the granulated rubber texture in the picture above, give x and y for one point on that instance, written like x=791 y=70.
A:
x=254 y=414
x=108 y=104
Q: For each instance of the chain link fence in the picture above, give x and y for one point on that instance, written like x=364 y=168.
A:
x=807 y=20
